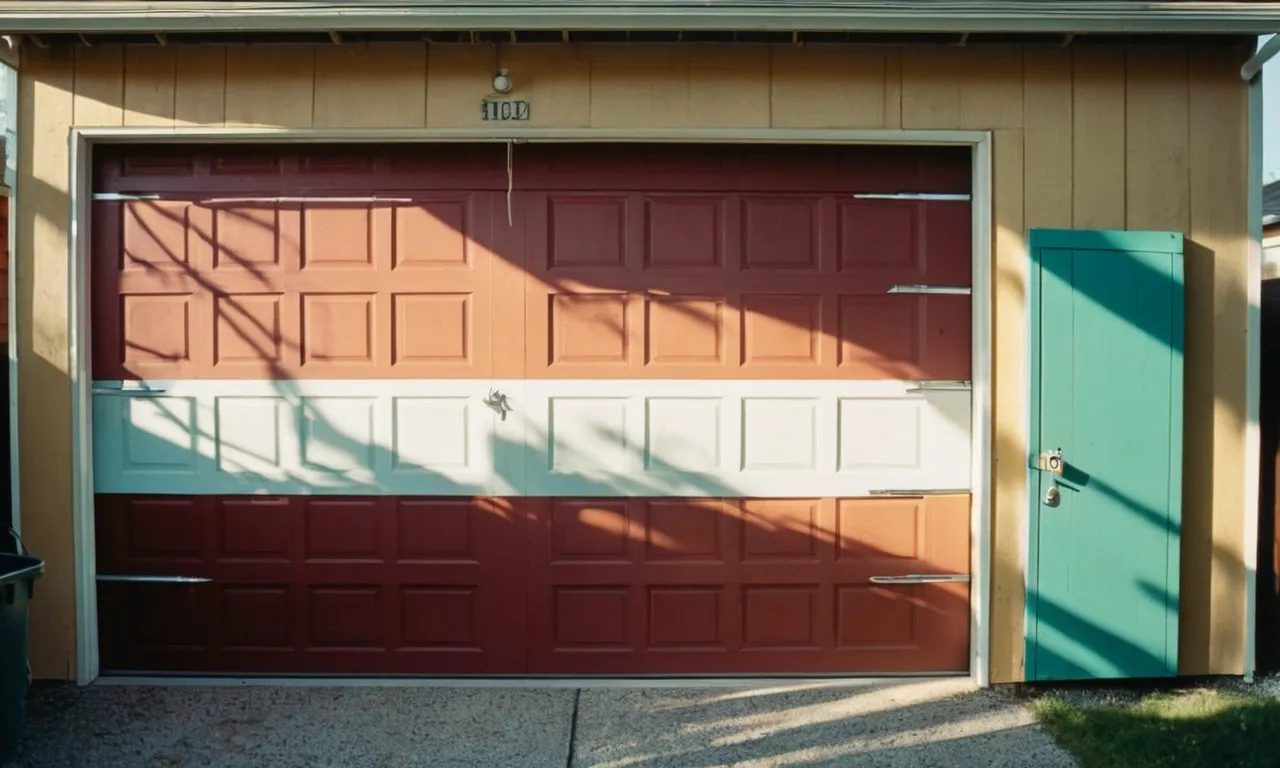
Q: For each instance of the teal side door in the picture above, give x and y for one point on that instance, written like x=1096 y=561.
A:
x=1107 y=328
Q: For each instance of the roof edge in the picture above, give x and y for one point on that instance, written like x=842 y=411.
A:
x=1011 y=16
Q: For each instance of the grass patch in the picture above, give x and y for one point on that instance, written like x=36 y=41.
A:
x=1169 y=730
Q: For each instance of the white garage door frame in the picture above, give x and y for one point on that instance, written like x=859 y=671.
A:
x=83 y=141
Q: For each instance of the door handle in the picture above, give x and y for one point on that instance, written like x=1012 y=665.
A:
x=921 y=578
x=119 y=577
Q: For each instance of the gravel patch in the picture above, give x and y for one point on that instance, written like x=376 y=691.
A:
x=917 y=723
x=237 y=727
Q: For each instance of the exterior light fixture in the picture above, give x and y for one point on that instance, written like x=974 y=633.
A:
x=501 y=82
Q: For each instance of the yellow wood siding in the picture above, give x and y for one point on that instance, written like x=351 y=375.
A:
x=1090 y=137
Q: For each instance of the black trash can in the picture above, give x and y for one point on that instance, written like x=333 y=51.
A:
x=18 y=574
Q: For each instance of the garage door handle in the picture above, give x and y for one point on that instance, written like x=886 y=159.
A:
x=131 y=392
x=922 y=578
x=940 y=385
x=943 y=290
x=153 y=579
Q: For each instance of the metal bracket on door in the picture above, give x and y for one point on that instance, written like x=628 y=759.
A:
x=917 y=491
x=498 y=402
x=130 y=391
x=152 y=579
x=922 y=578
x=944 y=290
x=940 y=385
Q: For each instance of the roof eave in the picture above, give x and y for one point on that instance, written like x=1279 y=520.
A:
x=1008 y=16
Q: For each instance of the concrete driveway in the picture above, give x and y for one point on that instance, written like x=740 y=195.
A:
x=875 y=723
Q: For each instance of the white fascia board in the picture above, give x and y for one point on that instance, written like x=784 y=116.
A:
x=1060 y=16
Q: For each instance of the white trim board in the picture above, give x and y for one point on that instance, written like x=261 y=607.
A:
x=1253 y=375
x=83 y=140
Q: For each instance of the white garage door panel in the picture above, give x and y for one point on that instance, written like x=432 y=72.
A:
x=738 y=438
x=575 y=438
x=297 y=437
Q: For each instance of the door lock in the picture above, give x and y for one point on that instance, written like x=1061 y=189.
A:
x=1052 y=496
x=1051 y=461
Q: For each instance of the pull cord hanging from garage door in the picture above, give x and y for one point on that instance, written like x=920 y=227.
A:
x=511 y=147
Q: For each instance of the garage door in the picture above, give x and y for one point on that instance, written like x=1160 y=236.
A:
x=629 y=410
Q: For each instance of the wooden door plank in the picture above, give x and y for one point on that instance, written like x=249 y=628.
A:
x=729 y=87
x=363 y=87
x=270 y=86
x=1157 y=171
x=817 y=87
x=1098 y=138
x=1217 y=354
x=99 y=86
x=201 y=88
x=1049 y=172
x=150 y=83
x=1009 y=409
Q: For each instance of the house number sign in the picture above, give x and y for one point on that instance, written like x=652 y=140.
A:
x=505 y=110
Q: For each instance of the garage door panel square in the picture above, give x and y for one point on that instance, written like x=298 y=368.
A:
x=882 y=235
x=882 y=334
x=155 y=235
x=786 y=529
x=247 y=329
x=249 y=435
x=438 y=617
x=345 y=617
x=337 y=237
x=165 y=529
x=780 y=232
x=880 y=529
x=436 y=530
x=779 y=434
x=588 y=436
x=255 y=529
x=589 y=329
x=166 y=616
x=346 y=529
x=780 y=330
x=431 y=433
x=431 y=328
x=587 y=232
x=159 y=435
x=684 y=331
x=156 y=328
x=876 y=617
x=433 y=234
x=338 y=329
x=249 y=238
x=684 y=617
x=684 y=530
x=684 y=231
x=337 y=433
x=590 y=530
x=880 y=433
x=590 y=618
x=257 y=617
x=780 y=617
x=683 y=435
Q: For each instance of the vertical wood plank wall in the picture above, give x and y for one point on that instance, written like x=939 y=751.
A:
x=1146 y=137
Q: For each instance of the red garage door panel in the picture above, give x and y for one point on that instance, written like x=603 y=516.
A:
x=674 y=586
x=361 y=585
